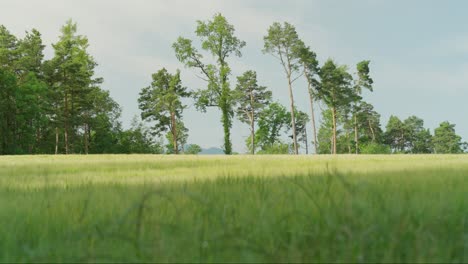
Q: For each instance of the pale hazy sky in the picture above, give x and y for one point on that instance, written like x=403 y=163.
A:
x=418 y=49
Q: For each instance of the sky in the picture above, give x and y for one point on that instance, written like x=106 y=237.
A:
x=418 y=50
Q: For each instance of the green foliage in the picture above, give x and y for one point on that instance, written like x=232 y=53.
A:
x=310 y=65
x=396 y=134
x=275 y=149
x=282 y=42
x=375 y=148
x=446 y=140
x=419 y=139
x=138 y=139
x=408 y=136
x=273 y=121
x=363 y=79
x=31 y=115
x=335 y=87
x=325 y=133
x=103 y=127
x=7 y=110
x=193 y=149
x=31 y=54
x=8 y=49
x=217 y=38
x=368 y=123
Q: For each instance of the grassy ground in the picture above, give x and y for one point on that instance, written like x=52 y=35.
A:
x=251 y=209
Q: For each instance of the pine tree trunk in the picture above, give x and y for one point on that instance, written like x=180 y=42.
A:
x=56 y=140
x=312 y=114
x=293 y=119
x=89 y=136
x=305 y=142
x=334 y=129
x=86 y=143
x=252 y=122
x=174 y=133
x=348 y=141
x=252 y=134
x=66 y=140
x=356 y=138
x=31 y=144
x=66 y=124
x=71 y=131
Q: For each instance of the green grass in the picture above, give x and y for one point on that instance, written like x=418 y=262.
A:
x=143 y=208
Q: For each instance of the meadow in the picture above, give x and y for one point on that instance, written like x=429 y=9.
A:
x=161 y=208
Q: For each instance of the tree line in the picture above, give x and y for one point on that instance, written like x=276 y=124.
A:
x=58 y=105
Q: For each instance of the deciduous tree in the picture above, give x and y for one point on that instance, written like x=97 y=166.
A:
x=218 y=39
x=273 y=121
x=193 y=149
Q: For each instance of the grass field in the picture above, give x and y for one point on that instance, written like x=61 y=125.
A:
x=144 y=208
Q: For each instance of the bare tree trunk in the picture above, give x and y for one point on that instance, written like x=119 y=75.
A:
x=305 y=141
x=56 y=140
x=71 y=131
x=356 y=139
x=331 y=144
x=348 y=141
x=89 y=135
x=293 y=119
x=31 y=145
x=372 y=131
x=174 y=133
x=252 y=122
x=312 y=114
x=252 y=135
x=334 y=130
x=66 y=124
x=66 y=140
x=86 y=143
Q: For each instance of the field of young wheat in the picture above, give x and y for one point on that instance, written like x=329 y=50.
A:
x=150 y=208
